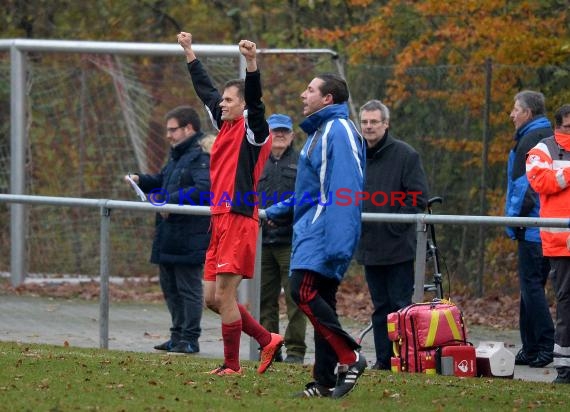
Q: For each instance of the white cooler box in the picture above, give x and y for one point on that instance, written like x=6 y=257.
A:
x=494 y=360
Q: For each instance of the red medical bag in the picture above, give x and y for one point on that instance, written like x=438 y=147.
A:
x=418 y=330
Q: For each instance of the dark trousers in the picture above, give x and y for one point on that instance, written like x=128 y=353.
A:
x=275 y=260
x=561 y=267
x=183 y=293
x=316 y=296
x=535 y=322
x=391 y=288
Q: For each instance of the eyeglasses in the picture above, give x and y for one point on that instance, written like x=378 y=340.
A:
x=564 y=126
x=173 y=129
x=371 y=122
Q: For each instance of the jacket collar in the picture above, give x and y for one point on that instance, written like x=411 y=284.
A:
x=285 y=153
x=181 y=148
x=313 y=121
x=539 y=122
x=386 y=141
x=563 y=139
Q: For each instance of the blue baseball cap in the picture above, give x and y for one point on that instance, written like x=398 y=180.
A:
x=280 y=121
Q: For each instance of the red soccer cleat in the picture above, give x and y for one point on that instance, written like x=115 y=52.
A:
x=225 y=371
x=269 y=351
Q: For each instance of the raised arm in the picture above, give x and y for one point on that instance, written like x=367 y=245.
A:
x=255 y=107
x=202 y=83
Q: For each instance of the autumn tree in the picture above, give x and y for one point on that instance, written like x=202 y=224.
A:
x=429 y=57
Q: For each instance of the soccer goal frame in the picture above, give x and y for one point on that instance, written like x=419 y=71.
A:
x=20 y=48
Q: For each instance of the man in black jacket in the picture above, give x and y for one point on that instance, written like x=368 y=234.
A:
x=278 y=179
x=535 y=322
x=396 y=183
x=181 y=240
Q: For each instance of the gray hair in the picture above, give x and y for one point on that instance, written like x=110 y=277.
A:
x=372 y=105
x=534 y=101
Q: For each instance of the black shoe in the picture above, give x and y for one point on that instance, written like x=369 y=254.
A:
x=523 y=358
x=563 y=375
x=185 y=347
x=542 y=359
x=347 y=375
x=294 y=359
x=164 y=345
x=560 y=379
x=315 y=390
x=381 y=366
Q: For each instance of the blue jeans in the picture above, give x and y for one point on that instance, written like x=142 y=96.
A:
x=535 y=322
x=391 y=288
x=183 y=292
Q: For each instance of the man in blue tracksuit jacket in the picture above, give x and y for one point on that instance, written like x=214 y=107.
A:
x=326 y=229
x=535 y=322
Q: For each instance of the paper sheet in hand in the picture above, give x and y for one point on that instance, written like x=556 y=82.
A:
x=137 y=189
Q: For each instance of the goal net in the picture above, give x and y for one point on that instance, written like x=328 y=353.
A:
x=91 y=118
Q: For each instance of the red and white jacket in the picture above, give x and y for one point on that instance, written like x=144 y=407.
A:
x=548 y=172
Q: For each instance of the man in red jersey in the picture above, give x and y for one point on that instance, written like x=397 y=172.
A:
x=237 y=159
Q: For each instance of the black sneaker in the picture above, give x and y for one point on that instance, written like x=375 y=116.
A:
x=164 y=345
x=522 y=358
x=294 y=359
x=315 y=390
x=380 y=366
x=542 y=359
x=560 y=379
x=563 y=375
x=347 y=375
x=185 y=347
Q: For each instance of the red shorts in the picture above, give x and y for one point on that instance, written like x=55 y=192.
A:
x=232 y=247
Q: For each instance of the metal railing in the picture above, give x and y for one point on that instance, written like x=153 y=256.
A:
x=251 y=292
x=19 y=49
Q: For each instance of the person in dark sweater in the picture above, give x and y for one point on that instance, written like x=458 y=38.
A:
x=278 y=179
x=181 y=240
x=387 y=250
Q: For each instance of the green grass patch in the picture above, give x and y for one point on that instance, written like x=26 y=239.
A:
x=48 y=378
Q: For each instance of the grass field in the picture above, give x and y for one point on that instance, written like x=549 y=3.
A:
x=49 y=378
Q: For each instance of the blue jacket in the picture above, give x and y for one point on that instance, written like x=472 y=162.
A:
x=522 y=200
x=326 y=223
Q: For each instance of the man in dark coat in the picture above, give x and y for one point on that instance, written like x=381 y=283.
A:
x=535 y=322
x=181 y=240
x=396 y=183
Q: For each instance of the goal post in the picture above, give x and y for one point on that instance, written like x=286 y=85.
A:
x=26 y=57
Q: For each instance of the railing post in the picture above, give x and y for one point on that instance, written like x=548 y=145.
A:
x=104 y=278
x=253 y=289
x=18 y=144
x=420 y=264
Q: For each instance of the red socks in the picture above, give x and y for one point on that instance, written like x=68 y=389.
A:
x=231 y=334
x=252 y=327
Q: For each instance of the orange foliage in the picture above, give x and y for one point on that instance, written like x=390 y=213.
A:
x=451 y=32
